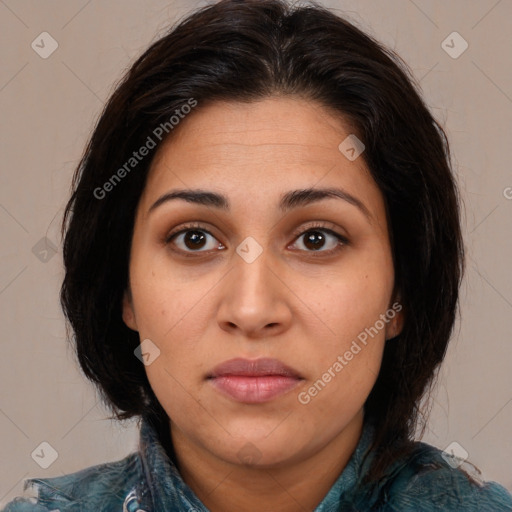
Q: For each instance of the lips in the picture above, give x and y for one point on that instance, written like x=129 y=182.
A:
x=253 y=368
x=253 y=381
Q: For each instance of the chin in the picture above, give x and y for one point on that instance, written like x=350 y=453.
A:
x=249 y=454
x=263 y=446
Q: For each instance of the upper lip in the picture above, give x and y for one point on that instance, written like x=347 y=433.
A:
x=253 y=368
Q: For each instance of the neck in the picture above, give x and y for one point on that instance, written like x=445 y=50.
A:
x=299 y=486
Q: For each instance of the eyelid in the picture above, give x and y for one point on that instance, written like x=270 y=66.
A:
x=320 y=225
x=187 y=227
x=167 y=241
x=328 y=227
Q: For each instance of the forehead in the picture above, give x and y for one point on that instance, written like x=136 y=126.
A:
x=262 y=148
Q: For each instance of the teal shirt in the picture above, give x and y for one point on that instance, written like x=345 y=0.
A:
x=148 y=481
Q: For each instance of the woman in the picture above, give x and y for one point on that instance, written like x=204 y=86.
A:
x=263 y=255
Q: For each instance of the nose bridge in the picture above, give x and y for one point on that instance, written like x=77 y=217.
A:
x=253 y=297
x=252 y=276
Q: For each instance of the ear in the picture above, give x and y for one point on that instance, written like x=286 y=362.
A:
x=128 y=312
x=396 y=315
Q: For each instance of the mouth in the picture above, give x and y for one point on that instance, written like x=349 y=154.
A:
x=253 y=381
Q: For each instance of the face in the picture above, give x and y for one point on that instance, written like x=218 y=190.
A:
x=297 y=288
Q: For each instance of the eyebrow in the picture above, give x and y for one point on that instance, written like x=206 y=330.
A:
x=289 y=201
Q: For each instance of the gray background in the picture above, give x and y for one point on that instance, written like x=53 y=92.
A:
x=49 y=107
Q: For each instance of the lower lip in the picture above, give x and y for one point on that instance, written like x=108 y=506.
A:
x=254 y=390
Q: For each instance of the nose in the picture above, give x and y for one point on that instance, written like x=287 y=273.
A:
x=255 y=299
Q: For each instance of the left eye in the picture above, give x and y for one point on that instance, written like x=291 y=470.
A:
x=315 y=239
x=195 y=240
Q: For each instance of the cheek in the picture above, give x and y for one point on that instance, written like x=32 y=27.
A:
x=175 y=316
x=346 y=361
x=165 y=304
x=352 y=301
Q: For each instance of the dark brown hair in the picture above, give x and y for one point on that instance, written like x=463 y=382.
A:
x=244 y=51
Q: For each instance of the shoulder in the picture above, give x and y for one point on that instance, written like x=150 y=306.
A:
x=102 y=487
x=426 y=481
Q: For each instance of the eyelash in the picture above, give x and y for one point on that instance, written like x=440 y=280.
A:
x=342 y=241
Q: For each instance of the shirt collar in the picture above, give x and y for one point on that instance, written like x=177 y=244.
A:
x=167 y=490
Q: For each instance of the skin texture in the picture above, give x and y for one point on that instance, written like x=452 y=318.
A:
x=293 y=302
